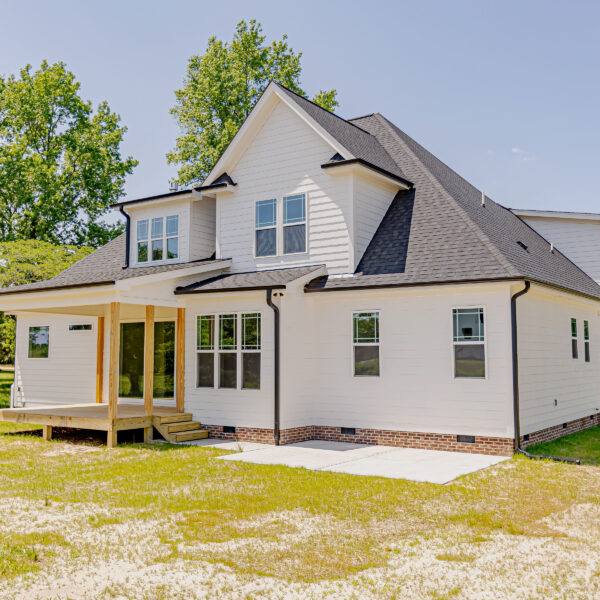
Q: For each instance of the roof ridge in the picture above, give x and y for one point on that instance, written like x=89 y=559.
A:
x=466 y=218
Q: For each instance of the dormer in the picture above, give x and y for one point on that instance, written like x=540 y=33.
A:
x=177 y=227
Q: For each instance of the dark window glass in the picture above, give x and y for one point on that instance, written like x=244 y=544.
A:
x=206 y=369
x=366 y=361
x=81 y=327
x=574 y=327
x=39 y=342
x=251 y=370
x=227 y=332
x=587 y=351
x=131 y=361
x=157 y=250
x=206 y=332
x=294 y=239
x=586 y=330
x=142 y=251
x=469 y=360
x=227 y=370
x=574 y=352
x=172 y=247
x=266 y=242
x=164 y=359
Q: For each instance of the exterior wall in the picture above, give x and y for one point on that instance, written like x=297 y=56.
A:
x=553 y=433
x=202 y=228
x=579 y=240
x=241 y=408
x=285 y=158
x=68 y=375
x=180 y=207
x=547 y=372
x=371 y=201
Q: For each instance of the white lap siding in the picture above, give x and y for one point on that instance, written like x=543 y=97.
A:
x=68 y=375
x=547 y=371
x=242 y=408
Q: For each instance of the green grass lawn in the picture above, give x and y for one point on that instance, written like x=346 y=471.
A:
x=6 y=379
x=584 y=445
x=175 y=516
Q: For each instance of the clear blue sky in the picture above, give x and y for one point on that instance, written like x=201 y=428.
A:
x=507 y=93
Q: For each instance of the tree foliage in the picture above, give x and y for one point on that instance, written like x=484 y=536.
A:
x=220 y=89
x=27 y=261
x=60 y=162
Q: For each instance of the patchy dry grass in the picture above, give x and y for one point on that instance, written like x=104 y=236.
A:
x=167 y=521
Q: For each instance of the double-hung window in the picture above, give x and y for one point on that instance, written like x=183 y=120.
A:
x=574 y=350
x=172 y=231
x=586 y=340
x=229 y=351
x=157 y=238
x=365 y=342
x=469 y=342
x=39 y=342
x=142 y=240
x=294 y=224
x=266 y=227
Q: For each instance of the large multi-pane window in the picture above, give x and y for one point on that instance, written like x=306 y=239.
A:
x=158 y=239
x=39 y=342
x=229 y=351
x=266 y=227
x=469 y=342
x=365 y=341
x=294 y=224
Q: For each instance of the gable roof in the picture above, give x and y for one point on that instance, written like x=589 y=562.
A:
x=440 y=231
x=105 y=266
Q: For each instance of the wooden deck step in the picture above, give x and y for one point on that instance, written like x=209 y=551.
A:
x=186 y=436
x=183 y=426
x=174 y=418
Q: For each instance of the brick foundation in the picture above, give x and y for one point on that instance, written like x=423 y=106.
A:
x=553 y=433
x=401 y=439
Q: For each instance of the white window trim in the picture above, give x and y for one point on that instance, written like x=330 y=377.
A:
x=49 y=342
x=279 y=227
x=238 y=350
x=164 y=239
x=353 y=344
x=453 y=343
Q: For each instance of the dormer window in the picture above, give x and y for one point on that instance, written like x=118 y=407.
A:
x=164 y=239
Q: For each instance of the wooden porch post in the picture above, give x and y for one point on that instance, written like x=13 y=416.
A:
x=100 y=360
x=113 y=369
x=148 y=368
x=180 y=359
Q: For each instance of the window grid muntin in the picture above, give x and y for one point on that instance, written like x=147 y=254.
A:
x=216 y=351
x=269 y=224
x=372 y=341
x=157 y=239
x=477 y=338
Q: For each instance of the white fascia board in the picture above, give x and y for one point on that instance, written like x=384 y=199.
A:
x=128 y=284
x=266 y=101
x=365 y=171
x=555 y=214
x=193 y=195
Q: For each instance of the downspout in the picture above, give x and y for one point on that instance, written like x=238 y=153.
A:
x=276 y=361
x=515 y=370
x=127 y=235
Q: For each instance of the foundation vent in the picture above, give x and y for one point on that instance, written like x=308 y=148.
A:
x=348 y=430
x=465 y=439
x=228 y=429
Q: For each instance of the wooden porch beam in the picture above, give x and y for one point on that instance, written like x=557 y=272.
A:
x=100 y=360
x=113 y=363
x=149 y=360
x=180 y=359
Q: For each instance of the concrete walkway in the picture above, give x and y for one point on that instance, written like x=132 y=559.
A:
x=430 y=466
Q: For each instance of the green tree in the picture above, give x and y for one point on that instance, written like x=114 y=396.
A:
x=60 y=162
x=220 y=89
x=27 y=261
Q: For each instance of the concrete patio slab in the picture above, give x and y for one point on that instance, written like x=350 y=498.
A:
x=432 y=466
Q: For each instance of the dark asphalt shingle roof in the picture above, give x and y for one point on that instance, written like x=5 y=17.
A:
x=255 y=280
x=439 y=231
x=105 y=265
x=355 y=139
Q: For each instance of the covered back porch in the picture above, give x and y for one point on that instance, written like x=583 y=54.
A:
x=125 y=385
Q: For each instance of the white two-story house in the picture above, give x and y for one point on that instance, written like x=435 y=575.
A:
x=330 y=279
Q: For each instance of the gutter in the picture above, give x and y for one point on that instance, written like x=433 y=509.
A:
x=277 y=379
x=127 y=235
x=515 y=370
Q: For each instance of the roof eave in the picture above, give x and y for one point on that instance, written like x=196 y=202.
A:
x=359 y=161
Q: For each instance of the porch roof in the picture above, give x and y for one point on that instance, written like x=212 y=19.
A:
x=105 y=266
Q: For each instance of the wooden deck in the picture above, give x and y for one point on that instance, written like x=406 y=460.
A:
x=90 y=416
